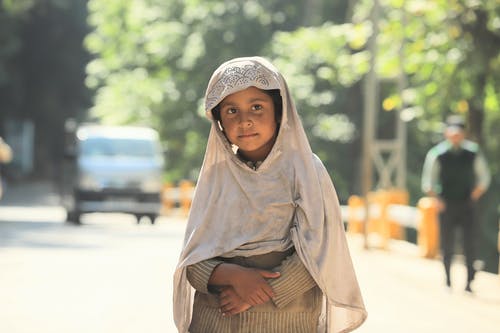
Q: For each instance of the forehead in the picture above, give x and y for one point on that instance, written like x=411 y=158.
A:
x=247 y=95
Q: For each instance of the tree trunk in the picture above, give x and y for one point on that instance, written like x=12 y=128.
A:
x=476 y=111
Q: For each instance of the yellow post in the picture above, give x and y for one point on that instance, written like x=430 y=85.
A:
x=166 y=197
x=382 y=199
x=186 y=188
x=355 y=209
x=399 y=197
x=428 y=227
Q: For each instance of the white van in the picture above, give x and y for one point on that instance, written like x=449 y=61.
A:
x=116 y=169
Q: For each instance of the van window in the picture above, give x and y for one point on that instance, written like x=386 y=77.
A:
x=107 y=147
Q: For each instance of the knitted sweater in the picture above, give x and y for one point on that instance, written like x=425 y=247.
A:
x=294 y=309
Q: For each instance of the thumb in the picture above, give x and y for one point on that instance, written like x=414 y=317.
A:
x=268 y=274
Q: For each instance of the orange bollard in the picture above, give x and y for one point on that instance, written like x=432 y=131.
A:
x=399 y=197
x=382 y=199
x=355 y=214
x=186 y=190
x=167 y=200
x=378 y=221
x=428 y=227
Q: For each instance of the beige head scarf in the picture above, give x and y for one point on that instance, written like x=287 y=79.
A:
x=288 y=201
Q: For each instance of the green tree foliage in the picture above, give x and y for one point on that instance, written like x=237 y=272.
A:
x=448 y=51
x=42 y=63
x=449 y=54
x=154 y=59
x=324 y=75
x=12 y=16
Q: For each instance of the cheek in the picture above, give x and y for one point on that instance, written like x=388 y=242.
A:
x=228 y=126
x=224 y=124
x=230 y=131
x=273 y=125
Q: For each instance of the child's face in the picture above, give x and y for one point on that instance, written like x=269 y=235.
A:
x=247 y=117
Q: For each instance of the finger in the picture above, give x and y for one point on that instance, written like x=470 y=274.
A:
x=259 y=298
x=223 y=296
x=263 y=297
x=269 y=291
x=226 y=308
x=268 y=274
x=265 y=292
x=224 y=302
x=232 y=312
x=252 y=301
x=237 y=309
x=224 y=292
x=255 y=299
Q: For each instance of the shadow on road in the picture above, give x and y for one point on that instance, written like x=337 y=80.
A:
x=26 y=194
x=49 y=235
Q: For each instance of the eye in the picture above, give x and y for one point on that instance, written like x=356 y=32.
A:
x=257 y=107
x=231 y=111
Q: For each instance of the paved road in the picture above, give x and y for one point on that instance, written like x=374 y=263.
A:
x=113 y=276
x=109 y=275
x=406 y=294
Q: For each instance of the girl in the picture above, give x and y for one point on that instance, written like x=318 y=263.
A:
x=265 y=247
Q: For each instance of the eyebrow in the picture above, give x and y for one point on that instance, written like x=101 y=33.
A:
x=253 y=100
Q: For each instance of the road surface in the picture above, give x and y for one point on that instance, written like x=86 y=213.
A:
x=111 y=275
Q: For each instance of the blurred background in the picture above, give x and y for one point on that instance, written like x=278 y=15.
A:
x=373 y=82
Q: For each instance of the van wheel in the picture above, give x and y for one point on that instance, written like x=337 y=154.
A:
x=73 y=217
x=153 y=218
x=138 y=218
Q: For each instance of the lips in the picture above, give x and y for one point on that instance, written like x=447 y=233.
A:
x=247 y=135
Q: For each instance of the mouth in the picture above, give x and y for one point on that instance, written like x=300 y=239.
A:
x=247 y=135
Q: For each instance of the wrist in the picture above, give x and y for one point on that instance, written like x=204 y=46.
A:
x=223 y=274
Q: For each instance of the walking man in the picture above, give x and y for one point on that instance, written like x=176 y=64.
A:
x=456 y=173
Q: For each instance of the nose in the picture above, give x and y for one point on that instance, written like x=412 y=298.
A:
x=245 y=120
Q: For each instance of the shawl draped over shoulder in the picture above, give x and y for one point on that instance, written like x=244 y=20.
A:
x=238 y=211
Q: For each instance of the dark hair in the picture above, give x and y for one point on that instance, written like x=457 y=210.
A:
x=277 y=102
